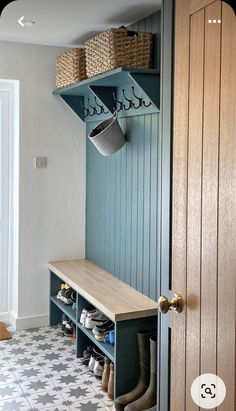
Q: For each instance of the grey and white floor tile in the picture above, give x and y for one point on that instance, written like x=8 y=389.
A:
x=15 y=404
x=4 y=365
x=8 y=391
x=64 y=407
x=7 y=377
x=45 y=399
x=43 y=347
x=51 y=356
x=23 y=361
x=57 y=367
x=17 y=351
x=76 y=393
x=35 y=385
x=89 y=380
x=88 y=404
x=30 y=373
x=39 y=371
x=69 y=352
x=65 y=379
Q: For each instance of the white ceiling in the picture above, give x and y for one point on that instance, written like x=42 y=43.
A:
x=69 y=22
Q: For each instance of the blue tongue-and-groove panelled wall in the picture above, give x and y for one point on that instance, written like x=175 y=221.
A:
x=123 y=199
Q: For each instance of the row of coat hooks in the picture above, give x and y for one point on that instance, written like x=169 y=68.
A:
x=97 y=109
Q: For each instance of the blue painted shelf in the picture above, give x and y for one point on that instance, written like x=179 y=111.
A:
x=108 y=87
x=108 y=349
x=67 y=309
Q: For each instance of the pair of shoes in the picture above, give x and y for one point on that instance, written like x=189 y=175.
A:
x=88 y=352
x=70 y=330
x=100 y=330
x=68 y=327
x=66 y=294
x=91 y=318
x=63 y=286
x=143 y=396
x=108 y=378
x=96 y=364
x=65 y=320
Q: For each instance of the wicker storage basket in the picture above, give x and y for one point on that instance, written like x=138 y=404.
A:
x=118 y=48
x=70 y=67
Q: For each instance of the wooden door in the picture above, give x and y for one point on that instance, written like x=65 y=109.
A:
x=204 y=198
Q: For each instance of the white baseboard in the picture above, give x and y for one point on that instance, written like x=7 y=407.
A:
x=23 y=323
x=12 y=319
x=4 y=317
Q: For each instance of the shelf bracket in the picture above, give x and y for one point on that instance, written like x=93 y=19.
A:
x=75 y=103
x=150 y=85
x=105 y=95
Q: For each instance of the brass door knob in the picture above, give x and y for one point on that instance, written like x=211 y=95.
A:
x=176 y=304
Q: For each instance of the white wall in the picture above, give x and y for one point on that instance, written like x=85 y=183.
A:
x=52 y=200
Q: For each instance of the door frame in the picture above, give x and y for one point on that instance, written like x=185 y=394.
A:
x=164 y=322
x=11 y=87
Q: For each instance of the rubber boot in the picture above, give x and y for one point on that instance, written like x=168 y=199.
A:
x=153 y=408
x=105 y=375
x=149 y=398
x=144 y=376
x=110 y=388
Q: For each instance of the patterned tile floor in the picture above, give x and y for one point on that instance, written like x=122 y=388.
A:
x=39 y=371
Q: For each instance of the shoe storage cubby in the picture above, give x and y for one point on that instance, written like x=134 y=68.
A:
x=129 y=310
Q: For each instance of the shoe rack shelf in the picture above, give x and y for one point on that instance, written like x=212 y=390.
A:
x=137 y=90
x=107 y=349
x=65 y=308
x=130 y=311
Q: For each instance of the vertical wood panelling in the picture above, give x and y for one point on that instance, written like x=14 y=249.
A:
x=134 y=205
x=117 y=217
x=122 y=206
x=154 y=220
x=211 y=200
x=140 y=227
x=146 y=210
x=227 y=211
x=123 y=197
x=196 y=5
x=194 y=203
x=112 y=212
x=128 y=217
x=123 y=170
x=210 y=190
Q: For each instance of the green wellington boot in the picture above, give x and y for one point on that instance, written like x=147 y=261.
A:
x=149 y=398
x=144 y=376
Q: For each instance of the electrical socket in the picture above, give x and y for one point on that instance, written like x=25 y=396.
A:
x=40 y=162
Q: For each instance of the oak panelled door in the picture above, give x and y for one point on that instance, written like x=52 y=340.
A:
x=204 y=199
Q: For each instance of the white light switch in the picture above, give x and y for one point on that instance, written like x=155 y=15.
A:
x=40 y=162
